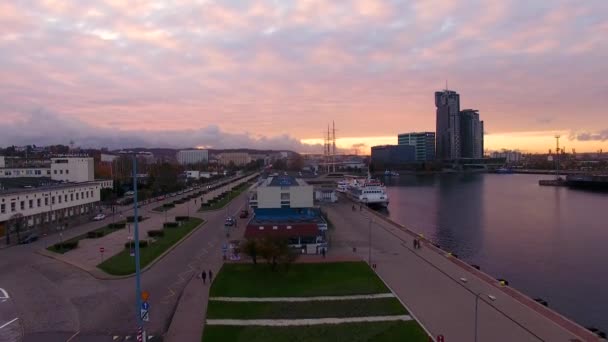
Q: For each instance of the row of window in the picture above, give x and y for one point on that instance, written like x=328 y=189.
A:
x=25 y=172
x=67 y=172
x=38 y=202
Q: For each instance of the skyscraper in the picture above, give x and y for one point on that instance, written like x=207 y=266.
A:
x=471 y=134
x=448 y=124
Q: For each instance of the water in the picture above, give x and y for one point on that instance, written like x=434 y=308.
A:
x=549 y=242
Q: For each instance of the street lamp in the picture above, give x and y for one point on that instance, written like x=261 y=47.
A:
x=136 y=243
x=476 y=307
x=369 y=256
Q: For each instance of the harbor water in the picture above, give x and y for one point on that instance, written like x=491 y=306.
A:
x=548 y=242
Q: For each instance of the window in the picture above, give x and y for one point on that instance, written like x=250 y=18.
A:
x=71 y=197
x=54 y=172
x=91 y=193
x=61 y=171
x=8 y=173
x=46 y=201
x=284 y=196
x=67 y=172
x=38 y=172
x=53 y=200
x=59 y=199
x=13 y=206
x=22 y=205
x=65 y=198
x=2 y=208
x=77 y=195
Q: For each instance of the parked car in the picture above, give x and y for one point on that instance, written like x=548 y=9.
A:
x=99 y=217
x=229 y=221
x=28 y=239
x=129 y=193
x=244 y=213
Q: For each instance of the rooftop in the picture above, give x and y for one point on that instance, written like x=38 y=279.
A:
x=286 y=216
x=284 y=180
x=28 y=184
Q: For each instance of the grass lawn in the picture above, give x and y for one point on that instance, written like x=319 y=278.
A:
x=226 y=199
x=347 y=332
x=123 y=263
x=310 y=309
x=105 y=229
x=300 y=280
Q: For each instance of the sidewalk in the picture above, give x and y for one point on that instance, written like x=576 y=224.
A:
x=306 y=321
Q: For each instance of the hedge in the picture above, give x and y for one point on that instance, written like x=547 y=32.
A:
x=168 y=205
x=117 y=225
x=132 y=219
x=155 y=233
x=95 y=234
x=182 y=218
x=142 y=243
x=170 y=225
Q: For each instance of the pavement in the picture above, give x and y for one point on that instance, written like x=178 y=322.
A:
x=447 y=296
x=55 y=301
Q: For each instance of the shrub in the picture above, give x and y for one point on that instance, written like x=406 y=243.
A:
x=170 y=225
x=67 y=245
x=156 y=233
x=95 y=234
x=182 y=218
x=168 y=205
x=132 y=219
x=117 y=225
x=142 y=244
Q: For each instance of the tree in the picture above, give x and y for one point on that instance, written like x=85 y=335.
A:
x=296 y=162
x=250 y=248
x=276 y=250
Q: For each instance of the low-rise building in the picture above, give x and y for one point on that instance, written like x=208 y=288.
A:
x=424 y=143
x=282 y=192
x=391 y=156
x=66 y=169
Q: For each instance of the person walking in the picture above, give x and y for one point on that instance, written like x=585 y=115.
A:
x=323 y=252
x=204 y=276
x=210 y=276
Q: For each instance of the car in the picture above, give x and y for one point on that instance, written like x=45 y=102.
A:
x=229 y=221
x=28 y=239
x=244 y=213
x=129 y=193
x=99 y=217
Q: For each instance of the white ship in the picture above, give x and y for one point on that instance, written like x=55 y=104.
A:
x=368 y=191
x=343 y=186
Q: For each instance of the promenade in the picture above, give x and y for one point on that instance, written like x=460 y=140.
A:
x=448 y=297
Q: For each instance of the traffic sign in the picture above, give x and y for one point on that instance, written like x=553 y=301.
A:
x=145 y=316
x=101 y=249
x=145 y=306
x=145 y=295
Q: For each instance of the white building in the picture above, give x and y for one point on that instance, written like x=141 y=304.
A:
x=24 y=172
x=73 y=169
x=108 y=158
x=47 y=204
x=282 y=192
x=2 y=163
x=186 y=157
x=199 y=174
x=510 y=156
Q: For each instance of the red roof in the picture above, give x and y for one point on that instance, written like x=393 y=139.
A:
x=282 y=230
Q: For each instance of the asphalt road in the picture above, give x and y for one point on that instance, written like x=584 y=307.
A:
x=54 y=301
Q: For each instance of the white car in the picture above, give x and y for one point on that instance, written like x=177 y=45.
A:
x=99 y=217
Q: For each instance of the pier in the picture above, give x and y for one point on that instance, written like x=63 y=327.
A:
x=446 y=295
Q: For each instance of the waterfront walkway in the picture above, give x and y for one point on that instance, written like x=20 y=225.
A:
x=444 y=294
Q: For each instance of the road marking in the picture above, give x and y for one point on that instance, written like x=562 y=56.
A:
x=5 y=295
x=115 y=338
x=69 y=339
x=8 y=323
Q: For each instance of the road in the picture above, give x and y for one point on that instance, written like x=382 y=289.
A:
x=54 y=301
x=446 y=297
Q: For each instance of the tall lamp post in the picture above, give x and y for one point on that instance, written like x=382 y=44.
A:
x=369 y=256
x=136 y=242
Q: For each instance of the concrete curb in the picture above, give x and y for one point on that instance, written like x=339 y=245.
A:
x=101 y=275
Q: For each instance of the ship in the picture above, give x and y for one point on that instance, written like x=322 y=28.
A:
x=504 y=170
x=368 y=191
x=388 y=173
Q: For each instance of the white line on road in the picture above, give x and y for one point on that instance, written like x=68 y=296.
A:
x=300 y=299
x=72 y=337
x=5 y=295
x=306 y=321
x=8 y=323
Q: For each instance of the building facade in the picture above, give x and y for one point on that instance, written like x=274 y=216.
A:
x=471 y=134
x=73 y=169
x=48 y=204
x=447 y=131
x=424 y=143
x=510 y=156
x=388 y=156
x=187 y=157
x=237 y=158
x=282 y=192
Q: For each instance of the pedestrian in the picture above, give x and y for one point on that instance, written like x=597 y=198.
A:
x=360 y=207
x=323 y=252
x=414 y=242
x=204 y=276
x=210 y=276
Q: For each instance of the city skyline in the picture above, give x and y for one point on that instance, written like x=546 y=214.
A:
x=266 y=74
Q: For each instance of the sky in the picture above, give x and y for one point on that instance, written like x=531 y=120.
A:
x=275 y=73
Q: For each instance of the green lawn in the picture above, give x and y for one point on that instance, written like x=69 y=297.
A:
x=300 y=280
x=226 y=199
x=346 y=332
x=123 y=263
x=105 y=229
x=310 y=309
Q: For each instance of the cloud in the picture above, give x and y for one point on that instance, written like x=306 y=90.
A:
x=589 y=136
x=42 y=127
